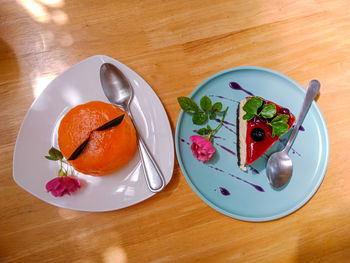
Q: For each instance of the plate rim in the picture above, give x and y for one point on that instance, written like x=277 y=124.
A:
x=264 y=218
x=26 y=116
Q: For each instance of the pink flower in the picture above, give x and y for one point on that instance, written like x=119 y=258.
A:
x=201 y=148
x=60 y=186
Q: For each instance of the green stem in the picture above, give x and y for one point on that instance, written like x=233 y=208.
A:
x=63 y=170
x=210 y=135
x=222 y=120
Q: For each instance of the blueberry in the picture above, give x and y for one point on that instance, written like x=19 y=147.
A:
x=260 y=119
x=257 y=134
x=284 y=111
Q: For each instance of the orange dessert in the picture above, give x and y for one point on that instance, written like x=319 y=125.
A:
x=107 y=150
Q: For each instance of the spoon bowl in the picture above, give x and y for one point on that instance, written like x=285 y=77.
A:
x=119 y=92
x=280 y=169
x=116 y=86
x=279 y=166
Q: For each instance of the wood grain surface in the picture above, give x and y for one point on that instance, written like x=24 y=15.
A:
x=175 y=45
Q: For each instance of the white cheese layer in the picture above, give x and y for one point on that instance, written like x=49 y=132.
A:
x=242 y=136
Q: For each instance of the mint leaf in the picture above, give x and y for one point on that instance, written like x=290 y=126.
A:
x=279 y=125
x=209 y=128
x=248 y=116
x=199 y=118
x=268 y=110
x=252 y=105
x=279 y=128
x=203 y=131
x=212 y=115
x=205 y=103
x=51 y=158
x=55 y=154
x=281 y=118
x=217 y=107
x=188 y=105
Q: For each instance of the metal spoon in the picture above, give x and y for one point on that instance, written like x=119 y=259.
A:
x=279 y=167
x=119 y=91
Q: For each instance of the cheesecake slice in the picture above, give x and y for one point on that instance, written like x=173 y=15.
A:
x=260 y=123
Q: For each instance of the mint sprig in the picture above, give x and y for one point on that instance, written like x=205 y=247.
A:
x=208 y=131
x=279 y=125
x=200 y=114
x=56 y=155
x=212 y=132
x=255 y=106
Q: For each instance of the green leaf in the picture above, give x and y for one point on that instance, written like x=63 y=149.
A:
x=199 y=118
x=205 y=103
x=222 y=120
x=55 y=154
x=51 y=158
x=203 y=131
x=252 y=105
x=212 y=115
x=279 y=125
x=281 y=118
x=268 y=110
x=279 y=128
x=209 y=128
x=188 y=105
x=248 y=116
x=217 y=107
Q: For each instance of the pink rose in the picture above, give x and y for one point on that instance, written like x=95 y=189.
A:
x=60 y=186
x=201 y=148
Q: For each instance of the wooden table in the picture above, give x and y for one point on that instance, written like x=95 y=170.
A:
x=175 y=45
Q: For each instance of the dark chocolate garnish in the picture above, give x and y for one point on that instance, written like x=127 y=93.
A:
x=107 y=125
x=79 y=150
x=111 y=123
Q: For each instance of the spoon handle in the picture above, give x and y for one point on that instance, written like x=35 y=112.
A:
x=312 y=90
x=154 y=177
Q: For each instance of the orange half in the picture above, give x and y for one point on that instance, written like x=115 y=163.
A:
x=106 y=151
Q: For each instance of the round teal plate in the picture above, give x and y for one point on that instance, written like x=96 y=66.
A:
x=247 y=195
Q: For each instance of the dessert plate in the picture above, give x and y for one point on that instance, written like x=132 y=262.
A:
x=80 y=84
x=247 y=195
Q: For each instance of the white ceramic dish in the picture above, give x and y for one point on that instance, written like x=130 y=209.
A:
x=80 y=84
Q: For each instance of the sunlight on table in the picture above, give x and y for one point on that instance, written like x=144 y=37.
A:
x=114 y=254
x=68 y=214
x=40 y=13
